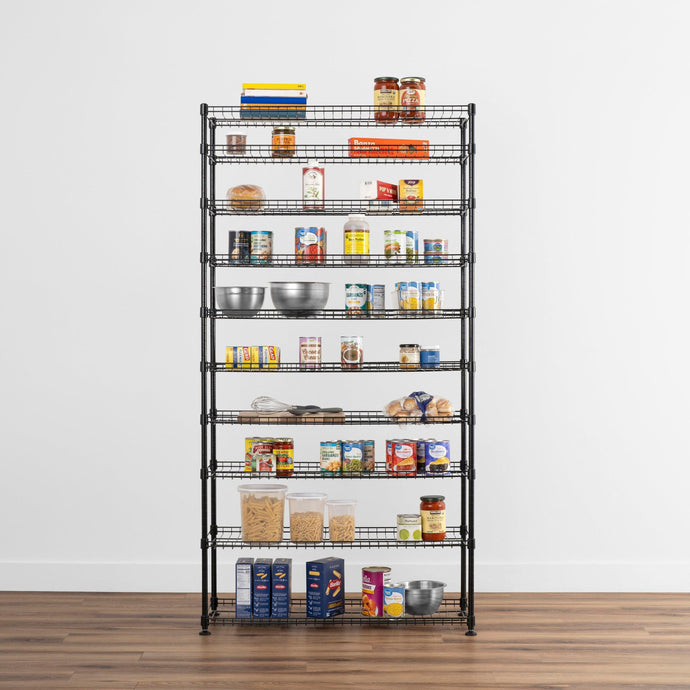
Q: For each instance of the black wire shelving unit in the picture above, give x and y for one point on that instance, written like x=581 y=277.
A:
x=455 y=608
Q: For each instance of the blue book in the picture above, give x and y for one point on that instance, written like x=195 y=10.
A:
x=273 y=99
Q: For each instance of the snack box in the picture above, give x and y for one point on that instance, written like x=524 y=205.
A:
x=383 y=194
x=261 y=604
x=243 y=587
x=325 y=587
x=360 y=147
x=281 y=587
x=252 y=357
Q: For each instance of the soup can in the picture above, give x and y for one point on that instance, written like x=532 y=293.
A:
x=353 y=456
x=394 y=601
x=351 y=351
x=437 y=458
x=310 y=245
x=261 y=249
x=330 y=461
x=374 y=578
x=238 y=246
x=310 y=352
x=369 y=462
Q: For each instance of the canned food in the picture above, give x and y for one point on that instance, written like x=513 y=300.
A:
x=238 y=246
x=373 y=582
x=408 y=292
x=310 y=245
x=377 y=298
x=435 y=251
x=249 y=465
x=353 y=456
x=411 y=246
x=369 y=462
x=330 y=461
x=401 y=457
x=395 y=242
x=351 y=351
x=310 y=352
x=283 y=456
x=394 y=601
x=261 y=249
x=356 y=299
x=409 y=527
x=431 y=296
x=421 y=454
x=437 y=458
x=262 y=454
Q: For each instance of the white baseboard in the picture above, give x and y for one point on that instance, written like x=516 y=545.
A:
x=489 y=577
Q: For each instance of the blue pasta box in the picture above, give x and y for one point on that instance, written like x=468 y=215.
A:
x=243 y=587
x=281 y=587
x=261 y=604
x=325 y=587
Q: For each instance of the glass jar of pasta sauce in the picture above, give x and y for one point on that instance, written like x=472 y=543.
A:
x=433 y=511
x=283 y=142
x=386 y=99
x=412 y=99
x=283 y=456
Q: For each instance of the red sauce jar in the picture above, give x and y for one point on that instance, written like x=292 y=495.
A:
x=283 y=456
x=386 y=99
x=433 y=511
x=412 y=99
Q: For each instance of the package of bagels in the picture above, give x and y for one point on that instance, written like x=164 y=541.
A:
x=419 y=405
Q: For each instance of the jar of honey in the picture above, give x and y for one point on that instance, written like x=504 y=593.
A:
x=283 y=142
x=386 y=99
x=433 y=511
x=283 y=456
x=412 y=99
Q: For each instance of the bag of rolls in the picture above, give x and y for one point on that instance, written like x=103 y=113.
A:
x=419 y=406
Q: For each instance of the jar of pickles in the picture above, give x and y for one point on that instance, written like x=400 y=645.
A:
x=283 y=142
x=386 y=99
x=412 y=99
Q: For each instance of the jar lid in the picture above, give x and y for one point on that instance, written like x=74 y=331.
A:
x=429 y=499
x=264 y=488
x=409 y=345
x=341 y=502
x=235 y=133
x=395 y=79
x=412 y=79
x=307 y=496
x=357 y=215
x=431 y=347
x=284 y=129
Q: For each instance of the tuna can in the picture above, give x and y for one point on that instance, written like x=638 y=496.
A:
x=369 y=462
x=238 y=246
x=377 y=298
x=437 y=458
x=411 y=246
x=394 y=601
x=431 y=296
x=262 y=454
x=330 y=462
x=261 y=246
x=356 y=299
x=310 y=245
x=435 y=251
x=353 y=456
x=374 y=578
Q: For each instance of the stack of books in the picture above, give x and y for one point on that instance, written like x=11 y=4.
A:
x=274 y=101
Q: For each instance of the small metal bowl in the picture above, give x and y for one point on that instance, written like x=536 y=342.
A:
x=246 y=300
x=423 y=597
x=299 y=297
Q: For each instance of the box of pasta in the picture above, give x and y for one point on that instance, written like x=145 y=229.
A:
x=243 y=587
x=261 y=599
x=325 y=587
x=281 y=585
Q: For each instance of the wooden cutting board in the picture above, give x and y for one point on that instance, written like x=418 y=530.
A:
x=252 y=417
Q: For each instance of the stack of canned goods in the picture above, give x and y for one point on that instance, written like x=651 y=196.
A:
x=401 y=246
x=262 y=454
x=362 y=299
x=347 y=457
x=435 y=251
x=408 y=457
x=413 y=295
x=250 y=247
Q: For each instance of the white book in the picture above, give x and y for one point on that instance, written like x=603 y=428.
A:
x=275 y=93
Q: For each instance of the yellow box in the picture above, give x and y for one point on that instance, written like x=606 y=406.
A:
x=410 y=195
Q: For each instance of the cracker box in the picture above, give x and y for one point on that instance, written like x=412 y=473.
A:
x=281 y=587
x=243 y=587
x=261 y=604
x=325 y=587
x=370 y=147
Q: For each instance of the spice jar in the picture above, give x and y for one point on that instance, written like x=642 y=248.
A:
x=386 y=99
x=283 y=455
x=409 y=356
x=283 y=142
x=412 y=99
x=433 y=511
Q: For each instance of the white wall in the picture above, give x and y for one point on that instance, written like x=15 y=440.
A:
x=582 y=239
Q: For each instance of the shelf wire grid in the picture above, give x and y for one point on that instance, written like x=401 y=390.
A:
x=334 y=367
x=334 y=116
x=365 y=538
x=449 y=613
x=337 y=314
x=347 y=417
x=340 y=261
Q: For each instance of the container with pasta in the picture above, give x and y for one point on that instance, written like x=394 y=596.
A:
x=341 y=519
x=306 y=516
x=262 y=508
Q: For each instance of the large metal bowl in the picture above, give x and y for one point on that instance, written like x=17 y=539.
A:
x=298 y=297
x=246 y=300
x=423 y=597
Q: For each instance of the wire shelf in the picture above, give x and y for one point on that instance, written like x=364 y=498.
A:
x=334 y=207
x=365 y=538
x=310 y=470
x=335 y=367
x=347 y=417
x=337 y=314
x=334 y=116
x=340 y=261
x=452 y=154
x=449 y=613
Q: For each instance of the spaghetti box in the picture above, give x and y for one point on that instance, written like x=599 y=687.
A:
x=261 y=604
x=370 y=147
x=281 y=587
x=243 y=587
x=325 y=587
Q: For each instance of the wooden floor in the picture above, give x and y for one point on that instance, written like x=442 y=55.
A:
x=584 y=641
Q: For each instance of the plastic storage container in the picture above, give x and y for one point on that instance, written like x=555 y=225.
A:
x=262 y=508
x=341 y=519
x=306 y=516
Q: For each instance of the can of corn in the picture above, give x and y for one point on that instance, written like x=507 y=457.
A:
x=394 y=601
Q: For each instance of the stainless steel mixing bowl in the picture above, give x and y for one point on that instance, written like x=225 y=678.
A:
x=299 y=296
x=423 y=597
x=247 y=300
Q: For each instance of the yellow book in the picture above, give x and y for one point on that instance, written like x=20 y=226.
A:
x=274 y=86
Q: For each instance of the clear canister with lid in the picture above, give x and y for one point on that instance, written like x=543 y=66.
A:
x=283 y=142
x=356 y=239
x=409 y=356
x=412 y=99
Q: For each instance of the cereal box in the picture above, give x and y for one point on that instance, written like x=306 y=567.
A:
x=261 y=604
x=281 y=587
x=325 y=587
x=243 y=587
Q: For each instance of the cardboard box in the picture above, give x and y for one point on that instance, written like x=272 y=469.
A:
x=261 y=595
x=410 y=196
x=243 y=587
x=383 y=195
x=281 y=587
x=370 y=147
x=325 y=587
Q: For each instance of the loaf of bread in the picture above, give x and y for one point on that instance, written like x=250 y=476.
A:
x=246 y=197
x=418 y=405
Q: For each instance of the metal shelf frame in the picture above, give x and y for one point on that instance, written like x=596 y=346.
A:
x=219 y=609
x=335 y=368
